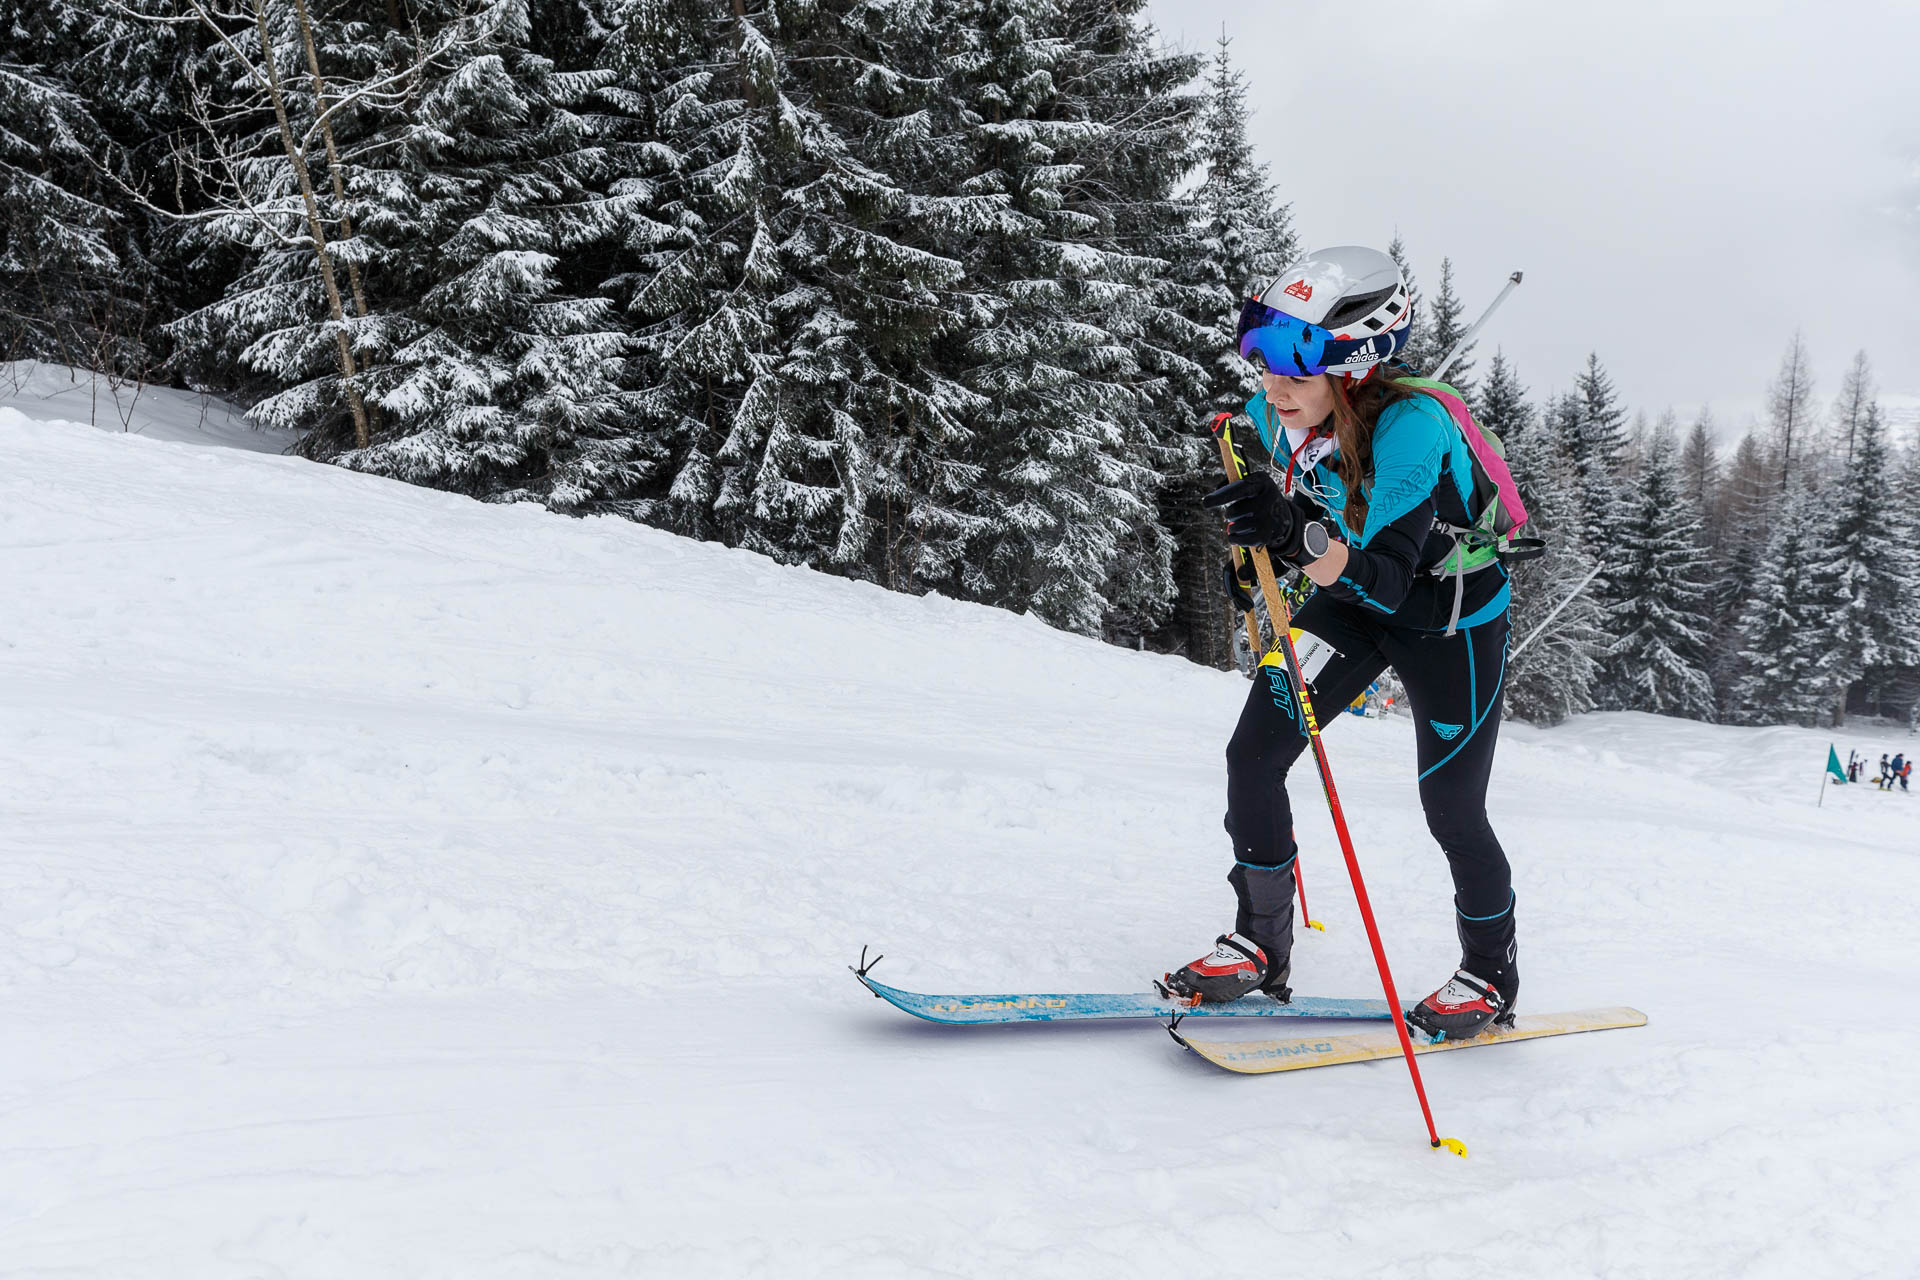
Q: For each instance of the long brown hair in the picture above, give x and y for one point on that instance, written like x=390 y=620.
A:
x=1356 y=412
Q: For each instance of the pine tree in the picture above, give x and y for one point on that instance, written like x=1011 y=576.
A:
x=467 y=186
x=1789 y=670
x=1598 y=448
x=1895 y=689
x=1875 y=626
x=1504 y=409
x=1243 y=238
x=861 y=292
x=900 y=112
x=286 y=319
x=1137 y=91
x=1663 y=623
x=1553 y=676
x=1790 y=405
x=130 y=79
x=55 y=255
x=1418 y=354
x=699 y=265
x=1246 y=232
x=1639 y=445
x=1446 y=323
x=1854 y=402
x=1068 y=482
x=1700 y=477
x=1750 y=499
x=1247 y=229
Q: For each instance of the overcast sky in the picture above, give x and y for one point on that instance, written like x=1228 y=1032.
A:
x=1684 y=184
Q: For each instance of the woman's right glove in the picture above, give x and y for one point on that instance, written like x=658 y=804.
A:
x=1259 y=515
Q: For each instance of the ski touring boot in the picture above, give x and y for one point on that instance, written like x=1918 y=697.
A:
x=1482 y=991
x=1235 y=967
x=1466 y=1006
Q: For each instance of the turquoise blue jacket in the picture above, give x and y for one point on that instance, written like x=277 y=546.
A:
x=1421 y=469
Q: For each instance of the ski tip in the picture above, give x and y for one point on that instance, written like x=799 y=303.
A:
x=1454 y=1145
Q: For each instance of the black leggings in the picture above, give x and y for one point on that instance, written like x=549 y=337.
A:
x=1454 y=686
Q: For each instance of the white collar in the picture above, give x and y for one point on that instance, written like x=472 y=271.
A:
x=1313 y=453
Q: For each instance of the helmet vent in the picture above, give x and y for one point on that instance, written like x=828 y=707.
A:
x=1352 y=308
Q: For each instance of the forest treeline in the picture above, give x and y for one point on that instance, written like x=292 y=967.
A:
x=933 y=293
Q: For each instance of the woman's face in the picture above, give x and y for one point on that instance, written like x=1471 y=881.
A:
x=1300 y=402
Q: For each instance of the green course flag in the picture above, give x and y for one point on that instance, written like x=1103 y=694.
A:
x=1833 y=764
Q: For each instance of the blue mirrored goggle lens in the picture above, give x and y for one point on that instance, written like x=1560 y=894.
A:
x=1285 y=344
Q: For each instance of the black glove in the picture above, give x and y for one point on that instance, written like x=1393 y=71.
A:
x=1259 y=515
x=1240 y=582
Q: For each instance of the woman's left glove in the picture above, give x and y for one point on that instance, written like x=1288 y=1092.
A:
x=1239 y=579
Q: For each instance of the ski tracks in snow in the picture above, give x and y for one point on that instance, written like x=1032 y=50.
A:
x=392 y=885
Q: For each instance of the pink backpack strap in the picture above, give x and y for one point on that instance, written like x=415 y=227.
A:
x=1484 y=453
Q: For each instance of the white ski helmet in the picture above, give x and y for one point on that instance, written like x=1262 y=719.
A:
x=1342 y=311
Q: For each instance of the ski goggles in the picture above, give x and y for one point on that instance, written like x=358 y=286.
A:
x=1275 y=342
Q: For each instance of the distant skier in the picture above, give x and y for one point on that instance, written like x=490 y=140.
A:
x=1901 y=768
x=1885 y=779
x=1379 y=461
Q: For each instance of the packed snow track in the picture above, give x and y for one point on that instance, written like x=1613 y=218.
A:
x=397 y=886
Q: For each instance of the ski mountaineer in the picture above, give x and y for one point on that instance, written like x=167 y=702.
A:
x=1384 y=465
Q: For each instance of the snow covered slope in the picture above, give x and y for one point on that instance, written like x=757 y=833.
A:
x=396 y=886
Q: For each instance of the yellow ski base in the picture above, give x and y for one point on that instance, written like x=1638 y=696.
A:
x=1259 y=1057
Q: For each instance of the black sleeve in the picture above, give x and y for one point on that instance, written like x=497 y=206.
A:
x=1380 y=575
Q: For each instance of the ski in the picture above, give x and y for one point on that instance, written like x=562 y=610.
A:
x=1258 y=1057
x=978 y=1010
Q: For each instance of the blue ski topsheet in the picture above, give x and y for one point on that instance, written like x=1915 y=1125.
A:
x=972 y=1010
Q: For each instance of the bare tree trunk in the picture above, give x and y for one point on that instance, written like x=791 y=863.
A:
x=333 y=173
x=362 y=437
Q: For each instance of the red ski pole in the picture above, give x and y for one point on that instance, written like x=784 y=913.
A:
x=1282 y=619
x=1301 y=885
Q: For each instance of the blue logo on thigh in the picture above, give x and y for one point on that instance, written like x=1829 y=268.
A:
x=1447 y=732
x=1282 y=690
